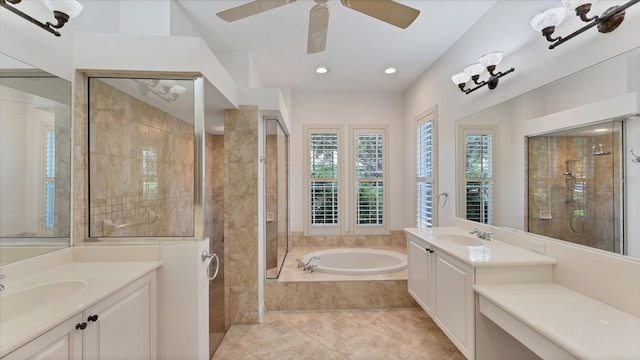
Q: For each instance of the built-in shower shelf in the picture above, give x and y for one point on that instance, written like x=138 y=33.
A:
x=545 y=215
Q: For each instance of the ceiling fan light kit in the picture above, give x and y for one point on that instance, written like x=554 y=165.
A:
x=62 y=10
x=546 y=21
x=388 y=11
x=472 y=72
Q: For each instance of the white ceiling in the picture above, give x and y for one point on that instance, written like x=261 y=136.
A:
x=358 y=49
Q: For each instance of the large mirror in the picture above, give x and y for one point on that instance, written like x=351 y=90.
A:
x=141 y=157
x=560 y=157
x=35 y=161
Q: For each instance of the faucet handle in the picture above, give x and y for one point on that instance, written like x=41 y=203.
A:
x=2 y=276
x=487 y=235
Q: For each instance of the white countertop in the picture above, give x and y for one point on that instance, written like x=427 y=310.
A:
x=584 y=327
x=490 y=253
x=102 y=279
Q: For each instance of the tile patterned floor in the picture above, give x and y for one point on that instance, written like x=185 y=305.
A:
x=407 y=334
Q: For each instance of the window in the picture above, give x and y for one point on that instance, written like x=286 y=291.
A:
x=478 y=174
x=331 y=208
x=49 y=176
x=368 y=179
x=323 y=181
x=425 y=167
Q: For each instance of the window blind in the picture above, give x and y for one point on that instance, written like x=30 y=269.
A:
x=424 y=173
x=479 y=149
x=369 y=160
x=323 y=182
x=50 y=175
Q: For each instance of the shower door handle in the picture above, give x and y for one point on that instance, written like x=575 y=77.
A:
x=209 y=257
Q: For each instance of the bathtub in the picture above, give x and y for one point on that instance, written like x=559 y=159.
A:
x=357 y=261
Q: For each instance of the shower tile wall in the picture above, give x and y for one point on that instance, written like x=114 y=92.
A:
x=63 y=169
x=589 y=219
x=141 y=161
x=271 y=174
x=214 y=225
x=80 y=162
x=241 y=219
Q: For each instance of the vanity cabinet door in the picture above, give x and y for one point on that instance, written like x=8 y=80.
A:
x=64 y=342
x=119 y=327
x=454 y=301
x=421 y=274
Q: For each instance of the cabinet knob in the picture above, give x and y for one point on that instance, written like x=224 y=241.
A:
x=81 y=326
x=92 y=318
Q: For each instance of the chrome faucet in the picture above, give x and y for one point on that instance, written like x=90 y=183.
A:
x=308 y=265
x=2 y=277
x=484 y=235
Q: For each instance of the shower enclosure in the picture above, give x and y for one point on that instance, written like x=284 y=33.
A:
x=277 y=197
x=575 y=185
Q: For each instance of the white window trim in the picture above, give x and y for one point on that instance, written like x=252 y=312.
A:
x=351 y=204
x=431 y=114
x=463 y=130
x=323 y=230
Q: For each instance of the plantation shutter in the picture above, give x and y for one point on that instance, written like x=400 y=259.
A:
x=424 y=173
x=479 y=175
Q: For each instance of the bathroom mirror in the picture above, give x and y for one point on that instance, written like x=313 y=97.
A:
x=277 y=196
x=596 y=95
x=141 y=157
x=575 y=185
x=35 y=161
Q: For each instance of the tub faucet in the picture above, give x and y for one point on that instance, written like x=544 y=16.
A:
x=484 y=235
x=308 y=266
x=2 y=277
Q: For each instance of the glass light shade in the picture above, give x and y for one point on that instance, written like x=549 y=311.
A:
x=489 y=59
x=178 y=90
x=167 y=83
x=573 y=4
x=474 y=69
x=460 y=78
x=69 y=7
x=547 y=18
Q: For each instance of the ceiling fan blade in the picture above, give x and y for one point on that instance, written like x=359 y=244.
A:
x=318 y=24
x=252 y=8
x=386 y=10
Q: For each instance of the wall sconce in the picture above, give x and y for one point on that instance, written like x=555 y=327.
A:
x=167 y=90
x=63 y=10
x=472 y=72
x=547 y=20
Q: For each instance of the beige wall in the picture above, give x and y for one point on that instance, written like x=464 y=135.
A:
x=242 y=281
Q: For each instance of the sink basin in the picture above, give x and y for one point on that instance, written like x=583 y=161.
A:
x=460 y=240
x=21 y=302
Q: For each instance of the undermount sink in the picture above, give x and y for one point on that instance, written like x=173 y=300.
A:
x=24 y=301
x=460 y=240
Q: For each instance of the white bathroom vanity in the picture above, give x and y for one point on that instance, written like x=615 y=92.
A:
x=79 y=306
x=494 y=299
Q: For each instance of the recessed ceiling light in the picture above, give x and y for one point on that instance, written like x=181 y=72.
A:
x=390 y=70
x=322 y=70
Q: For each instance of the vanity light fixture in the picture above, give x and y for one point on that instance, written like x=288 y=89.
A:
x=167 y=90
x=63 y=10
x=473 y=72
x=547 y=20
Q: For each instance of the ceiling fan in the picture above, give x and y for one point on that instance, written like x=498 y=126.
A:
x=388 y=11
